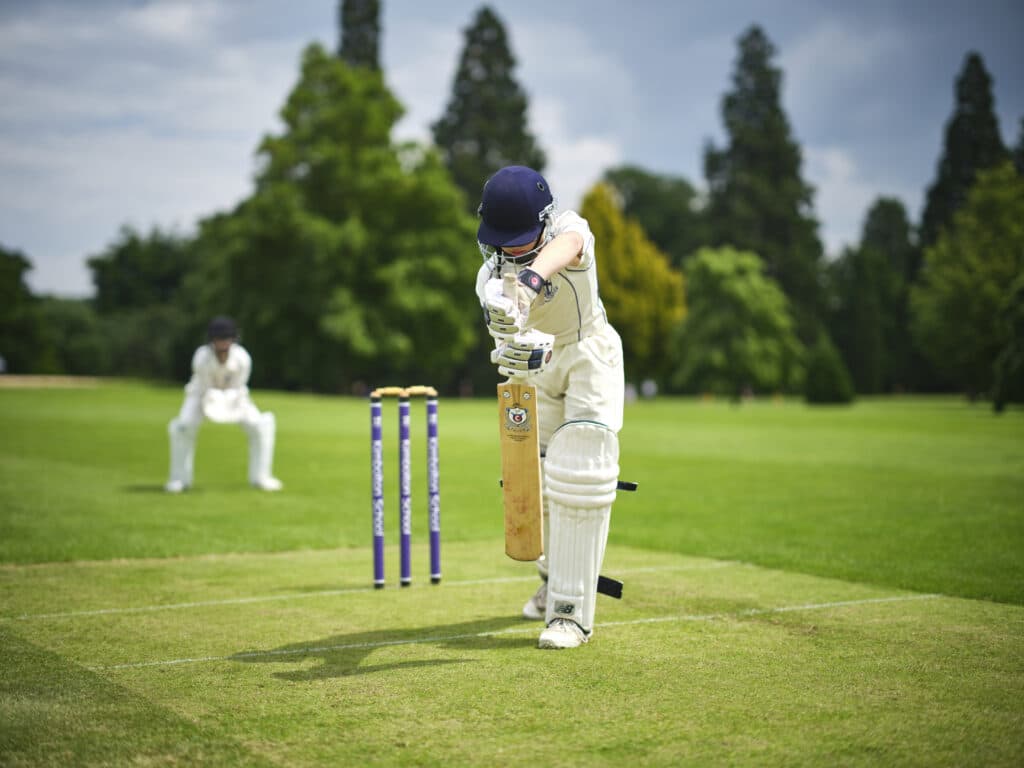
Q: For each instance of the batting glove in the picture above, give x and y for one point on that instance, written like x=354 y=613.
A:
x=525 y=354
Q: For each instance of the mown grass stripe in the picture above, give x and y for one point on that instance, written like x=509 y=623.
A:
x=518 y=630
x=325 y=593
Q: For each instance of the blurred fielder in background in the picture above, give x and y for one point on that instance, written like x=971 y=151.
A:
x=580 y=385
x=218 y=391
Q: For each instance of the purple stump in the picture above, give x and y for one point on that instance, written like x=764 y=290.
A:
x=433 y=492
x=377 y=486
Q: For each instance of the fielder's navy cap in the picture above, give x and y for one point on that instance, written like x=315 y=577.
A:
x=510 y=210
x=221 y=327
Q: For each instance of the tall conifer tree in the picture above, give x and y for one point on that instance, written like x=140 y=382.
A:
x=972 y=143
x=1018 y=151
x=869 y=316
x=484 y=126
x=758 y=200
x=359 y=23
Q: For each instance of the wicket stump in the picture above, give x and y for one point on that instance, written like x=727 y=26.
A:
x=404 y=482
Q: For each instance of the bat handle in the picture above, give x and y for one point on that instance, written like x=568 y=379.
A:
x=508 y=285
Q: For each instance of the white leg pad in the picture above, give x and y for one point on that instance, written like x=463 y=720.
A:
x=581 y=472
x=182 y=436
x=262 y=433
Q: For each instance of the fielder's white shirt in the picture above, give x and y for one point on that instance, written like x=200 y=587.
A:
x=210 y=373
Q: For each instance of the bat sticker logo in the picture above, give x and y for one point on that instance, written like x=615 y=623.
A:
x=517 y=417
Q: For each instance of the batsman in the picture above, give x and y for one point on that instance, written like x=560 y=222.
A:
x=538 y=288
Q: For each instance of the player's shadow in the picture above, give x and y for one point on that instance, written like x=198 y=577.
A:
x=344 y=655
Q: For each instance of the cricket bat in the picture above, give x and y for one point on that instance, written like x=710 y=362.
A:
x=520 y=471
x=520 y=464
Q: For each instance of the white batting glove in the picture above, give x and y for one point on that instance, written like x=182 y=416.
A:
x=505 y=317
x=525 y=354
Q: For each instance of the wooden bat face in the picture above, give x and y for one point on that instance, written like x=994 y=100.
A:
x=520 y=471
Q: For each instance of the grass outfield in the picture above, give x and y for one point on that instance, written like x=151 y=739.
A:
x=804 y=586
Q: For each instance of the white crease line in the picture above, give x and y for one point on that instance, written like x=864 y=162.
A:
x=326 y=593
x=309 y=650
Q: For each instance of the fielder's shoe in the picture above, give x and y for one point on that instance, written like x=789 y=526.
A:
x=174 y=486
x=537 y=605
x=269 y=484
x=562 y=633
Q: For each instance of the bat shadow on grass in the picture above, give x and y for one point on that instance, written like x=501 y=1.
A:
x=144 y=488
x=345 y=655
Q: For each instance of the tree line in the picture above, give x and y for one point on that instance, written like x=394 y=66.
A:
x=351 y=263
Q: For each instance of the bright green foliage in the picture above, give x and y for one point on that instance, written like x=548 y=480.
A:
x=827 y=380
x=350 y=262
x=641 y=292
x=758 y=201
x=484 y=126
x=738 y=335
x=665 y=206
x=972 y=144
x=359 y=22
x=967 y=279
x=19 y=332
x=869 y=312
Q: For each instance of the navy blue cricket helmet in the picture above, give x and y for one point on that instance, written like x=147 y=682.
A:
x=514 y=208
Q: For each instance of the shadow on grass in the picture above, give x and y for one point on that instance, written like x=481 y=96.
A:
x=144 y=488
x=343 y=655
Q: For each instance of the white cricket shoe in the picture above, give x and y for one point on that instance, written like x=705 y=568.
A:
x=269 y=484
x=562 y=633
x=537 y=605
x=174 y=486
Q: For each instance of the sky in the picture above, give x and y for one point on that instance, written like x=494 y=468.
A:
x=147 y=113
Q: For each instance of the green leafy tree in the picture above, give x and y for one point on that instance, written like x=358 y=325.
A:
x=143 y=316
x=757 y=199
x=138 y=270
x=1009 y=366
x=641 y=292
x=972 y=144
x=869 y=315
x=667 y=207
x=19 y=327
x=349 y=263
x=738 y=335
x=73 y=337
x=967 y=280
x=484 y=126
x=359 y=21
x=828 y=381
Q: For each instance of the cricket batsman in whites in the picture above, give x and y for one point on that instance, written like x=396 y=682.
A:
x=538 y=288
x=218 y=391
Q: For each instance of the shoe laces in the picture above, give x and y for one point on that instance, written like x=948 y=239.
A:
x=568 y=625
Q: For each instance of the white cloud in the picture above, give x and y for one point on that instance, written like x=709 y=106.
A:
x=843 y=196
x=575 y=163
x=821 y=67
x=421 y=77
x=173 y=21
x=132 y=136
x=148 y=111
